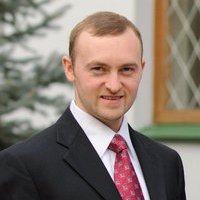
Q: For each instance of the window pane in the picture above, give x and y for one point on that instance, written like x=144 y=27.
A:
x=183 y=42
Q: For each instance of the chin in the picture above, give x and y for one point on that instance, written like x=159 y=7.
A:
x=111 y=118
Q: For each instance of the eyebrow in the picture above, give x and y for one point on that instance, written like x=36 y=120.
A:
x=95 y=62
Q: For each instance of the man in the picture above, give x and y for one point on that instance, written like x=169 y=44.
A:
x=75 y=158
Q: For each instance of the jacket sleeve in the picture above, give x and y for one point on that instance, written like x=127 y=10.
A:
x=15 y=180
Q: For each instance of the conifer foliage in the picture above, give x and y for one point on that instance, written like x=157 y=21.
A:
x=23 y=73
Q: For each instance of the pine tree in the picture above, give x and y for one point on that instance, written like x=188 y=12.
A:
x=22 y=78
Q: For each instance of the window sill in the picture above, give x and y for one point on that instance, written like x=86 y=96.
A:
x=173 y=132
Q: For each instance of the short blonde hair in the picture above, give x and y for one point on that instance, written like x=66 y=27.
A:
x=101 y=24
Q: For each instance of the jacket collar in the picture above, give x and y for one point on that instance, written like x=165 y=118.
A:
x=82 y=157
x=150 y=164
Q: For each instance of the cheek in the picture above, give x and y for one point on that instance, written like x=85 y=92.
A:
x=87 y=88
x=132 y=85
x=132 y=89
x=93 y=84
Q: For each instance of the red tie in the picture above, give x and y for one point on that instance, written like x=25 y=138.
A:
x=125 y=177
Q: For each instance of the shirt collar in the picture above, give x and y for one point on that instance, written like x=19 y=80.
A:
x=97 y=132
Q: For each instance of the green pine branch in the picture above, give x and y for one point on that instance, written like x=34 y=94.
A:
x=23 y=79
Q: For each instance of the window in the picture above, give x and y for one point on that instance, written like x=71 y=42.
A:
x=177 y=61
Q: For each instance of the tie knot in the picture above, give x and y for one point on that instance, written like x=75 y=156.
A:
x=117 y=144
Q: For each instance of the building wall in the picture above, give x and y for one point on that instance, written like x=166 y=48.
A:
x=142 y=109
x=189 y=153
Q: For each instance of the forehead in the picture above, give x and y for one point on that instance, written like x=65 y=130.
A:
x=90 y=33
x=114 y=50
x=126 y=41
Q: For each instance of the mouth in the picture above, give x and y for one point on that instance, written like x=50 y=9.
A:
x=111 y=98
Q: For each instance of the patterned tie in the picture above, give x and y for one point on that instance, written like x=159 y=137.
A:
x=124 y=174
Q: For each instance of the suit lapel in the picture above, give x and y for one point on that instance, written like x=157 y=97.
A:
x=150 y=165
x=82 y=157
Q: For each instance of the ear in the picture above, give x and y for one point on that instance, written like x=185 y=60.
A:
x=143 y=63
x=68 y=68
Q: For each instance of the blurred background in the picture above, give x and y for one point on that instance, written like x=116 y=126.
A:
x=34 y=92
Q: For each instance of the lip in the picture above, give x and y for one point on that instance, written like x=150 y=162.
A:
x=111 y=98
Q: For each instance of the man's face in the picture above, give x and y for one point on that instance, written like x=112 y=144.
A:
x=106 y=74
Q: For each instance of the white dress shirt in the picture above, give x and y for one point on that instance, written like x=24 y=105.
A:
x=101 y=135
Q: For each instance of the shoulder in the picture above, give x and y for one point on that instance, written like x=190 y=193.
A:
x=161 y=155
x=152 y=146
x=43 y=145
x=40 y=141
x=32 y=144
x=166 y=160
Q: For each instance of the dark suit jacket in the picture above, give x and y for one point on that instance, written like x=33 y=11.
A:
x=60 y=163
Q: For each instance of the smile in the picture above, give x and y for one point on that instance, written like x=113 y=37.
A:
x=111 y=97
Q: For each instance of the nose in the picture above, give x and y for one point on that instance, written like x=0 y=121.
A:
x=113 y=83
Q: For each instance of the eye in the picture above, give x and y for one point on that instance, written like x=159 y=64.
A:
x=98 y=70
x=127 y=70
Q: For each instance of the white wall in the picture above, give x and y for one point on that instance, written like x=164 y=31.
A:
x=145 y=22
x=142 y=111
x=190 y=154
x=79 y=9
